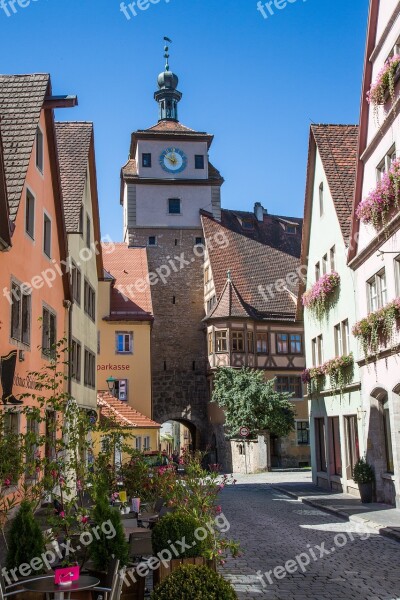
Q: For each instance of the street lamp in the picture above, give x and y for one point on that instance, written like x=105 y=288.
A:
x=111 y=381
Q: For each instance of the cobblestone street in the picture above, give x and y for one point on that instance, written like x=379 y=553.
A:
x=273 y=529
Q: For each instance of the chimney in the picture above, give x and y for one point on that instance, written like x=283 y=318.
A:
x=259 y=211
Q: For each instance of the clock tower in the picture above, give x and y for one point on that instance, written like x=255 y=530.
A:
x=166 y=182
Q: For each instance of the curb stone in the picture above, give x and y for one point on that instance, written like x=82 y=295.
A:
x=385 y=531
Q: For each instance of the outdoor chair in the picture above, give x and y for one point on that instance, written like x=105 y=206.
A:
x=140 y=546
x=149 y=517
x=7 y=591
x=108 y=592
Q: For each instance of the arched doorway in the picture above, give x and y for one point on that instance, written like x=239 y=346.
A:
x=380 y=444
x=178 y=436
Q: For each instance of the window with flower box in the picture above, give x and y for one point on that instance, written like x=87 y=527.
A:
x=397 y=274
x=386 y=163
x=377 y=291
x=342 y=338
x=317 y=345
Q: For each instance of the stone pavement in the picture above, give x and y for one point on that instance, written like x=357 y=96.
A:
x=296 y=552
x=385 y=519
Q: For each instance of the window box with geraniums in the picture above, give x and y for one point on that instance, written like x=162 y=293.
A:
x=378 y=329
x=319 y=298
x=383 y=200
x=385 y=82
x=338 y=369
x=314 y=378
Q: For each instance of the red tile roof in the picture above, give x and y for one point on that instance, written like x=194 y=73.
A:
x=130 y=291
x=338 y=145
x=171 y=126
x=73 y=141
x=254 y=267
x=230 y=304
x=21 y=101
x=122 y=414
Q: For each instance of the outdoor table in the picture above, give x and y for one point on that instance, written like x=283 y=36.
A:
x=61 y=592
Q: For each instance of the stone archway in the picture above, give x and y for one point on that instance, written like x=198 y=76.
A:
x=185 y=434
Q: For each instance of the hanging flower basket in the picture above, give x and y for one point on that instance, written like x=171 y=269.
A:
x=314 y=378
x=340 y=371
x=385 y=82
x=383 y=200
x=318 y=299
x=378 y=328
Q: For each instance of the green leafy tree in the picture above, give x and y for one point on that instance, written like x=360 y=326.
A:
x=25 y=540
x=250 y=401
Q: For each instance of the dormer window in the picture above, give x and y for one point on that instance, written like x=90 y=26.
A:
x=199 y=161
x=247 y=224
x=146 y=160
x=291 y=229
x=152 y=241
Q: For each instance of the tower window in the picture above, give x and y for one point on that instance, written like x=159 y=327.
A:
x=174 y=206
x=146 y=160
x=152 y=241
x=199 y=161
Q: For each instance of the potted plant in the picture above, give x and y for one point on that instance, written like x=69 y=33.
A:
x=179 y=526
x=192 y=581
x=364 y=476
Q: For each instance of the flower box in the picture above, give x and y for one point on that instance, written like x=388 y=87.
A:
x=164 y=570
x=377 y=330
x=338 y=369
x=382 y=202
x=317 y=299
x=384 y=85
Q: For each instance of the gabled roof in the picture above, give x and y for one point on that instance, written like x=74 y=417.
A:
x=73 y=141
x=122 y=414
x=230 y=304
x=337 y=146
x=130 y=289
x=21 y=101
x=168 y=130
x=5 y=233
x=255 y=268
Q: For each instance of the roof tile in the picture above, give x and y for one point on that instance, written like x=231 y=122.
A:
x=121 y=413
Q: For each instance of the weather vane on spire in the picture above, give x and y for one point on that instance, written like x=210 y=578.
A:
x=166 y=50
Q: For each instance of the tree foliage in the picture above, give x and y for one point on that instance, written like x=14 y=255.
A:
x=250 y=401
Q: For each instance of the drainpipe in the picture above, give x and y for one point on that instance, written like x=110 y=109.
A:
x=68 y=305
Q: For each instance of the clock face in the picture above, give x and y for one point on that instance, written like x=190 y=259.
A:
x=173 y=160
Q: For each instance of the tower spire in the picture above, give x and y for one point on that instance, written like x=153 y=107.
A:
x=167 y=95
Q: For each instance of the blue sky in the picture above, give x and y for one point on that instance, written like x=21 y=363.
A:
x=255 y=83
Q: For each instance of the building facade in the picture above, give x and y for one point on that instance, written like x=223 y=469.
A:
x=125 y=319
x=336 y=423
x=167 y=180
x=250 y=295
x=375 y=249
x=35 y=287
x=75 y=143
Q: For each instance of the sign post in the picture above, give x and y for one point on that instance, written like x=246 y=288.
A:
x=245 y=432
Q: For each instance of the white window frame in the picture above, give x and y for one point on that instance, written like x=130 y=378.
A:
x=39 y=163
x=47 y=216
x=377 y=291
x=386 y=162
x=125 y=334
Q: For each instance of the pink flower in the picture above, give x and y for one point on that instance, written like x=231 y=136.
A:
x=382 y=199
x=84 y=519
x=62 y=514
x=218 y=510
x=321 y=290
x=7 y=482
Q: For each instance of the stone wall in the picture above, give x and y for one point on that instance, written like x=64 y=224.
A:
x=178 y=338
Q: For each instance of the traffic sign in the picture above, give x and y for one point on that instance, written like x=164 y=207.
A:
x=244 y=431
